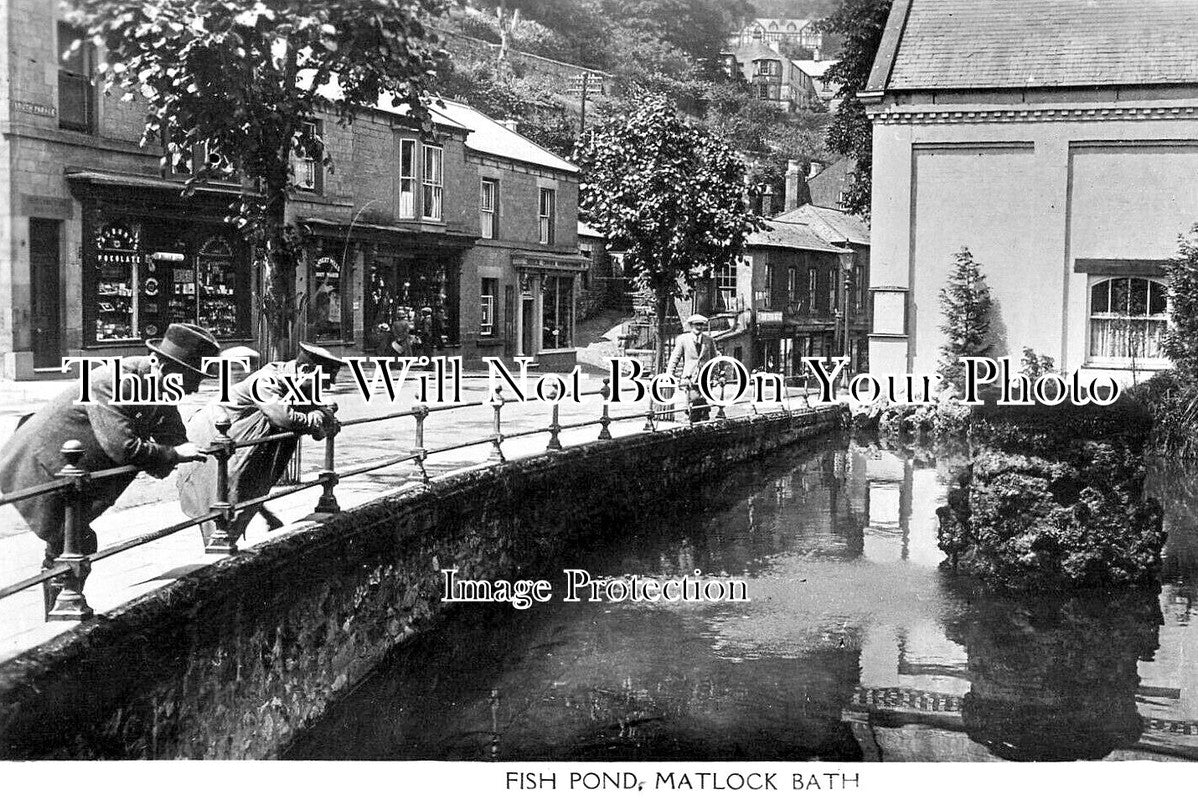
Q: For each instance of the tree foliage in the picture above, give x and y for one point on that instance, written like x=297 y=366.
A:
x=666 y=193
x=1181 y=342
x=860 y=23
x=965 y=307
x=242 y=77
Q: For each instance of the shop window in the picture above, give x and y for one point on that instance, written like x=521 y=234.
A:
x=557 y=318
x=488 y=208
x=407 y=178
x=308 y=171
x=487 y=294
x=325 y=315
x=546 y=214
x=76 y=72
x=118 y=255
x=432 y=180
x=1128 y=321
x=148 y=276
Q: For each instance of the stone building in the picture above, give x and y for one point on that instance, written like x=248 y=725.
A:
x=99 y=251
x=1059 y=143
x=772 y=77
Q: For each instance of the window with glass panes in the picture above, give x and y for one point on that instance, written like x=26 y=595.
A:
x=488 y=205
x=407 y=178
x=76 y=93
x=486 y=297
x=557 y=318
x=307 y=169
x=546 y=213
x=725 y=286
x=1128 y=320
x=431 y=181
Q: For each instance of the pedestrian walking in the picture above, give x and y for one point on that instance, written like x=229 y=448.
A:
x=254 y=470
x=691 y=351
x=151 y=437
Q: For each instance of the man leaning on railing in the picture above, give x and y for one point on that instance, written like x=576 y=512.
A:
x=150 y=437
x=258 y=407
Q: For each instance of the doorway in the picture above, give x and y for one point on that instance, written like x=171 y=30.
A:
x=528 y=327
x=45 y=282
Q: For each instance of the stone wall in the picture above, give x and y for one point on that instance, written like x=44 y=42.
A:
x=231 y=660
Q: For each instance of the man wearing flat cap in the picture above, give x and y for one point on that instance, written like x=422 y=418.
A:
x=258 y=406
x=148 y=436
x=692 y=350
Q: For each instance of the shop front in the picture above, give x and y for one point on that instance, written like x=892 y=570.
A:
x=146 y=266
x=356 y=280
x=540 y=309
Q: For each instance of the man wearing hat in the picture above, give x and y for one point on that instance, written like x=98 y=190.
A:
x=692 y=350
x=148 y=436
x=258 y=407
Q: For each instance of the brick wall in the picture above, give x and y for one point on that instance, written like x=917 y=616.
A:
x=231 y=660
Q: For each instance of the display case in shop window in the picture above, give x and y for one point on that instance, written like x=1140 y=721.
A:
x=116 y=275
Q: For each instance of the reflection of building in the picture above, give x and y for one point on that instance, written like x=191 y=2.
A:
x=103 y=252
x=1058 y=142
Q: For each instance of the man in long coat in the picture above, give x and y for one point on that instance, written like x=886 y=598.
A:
x=691 y=351
x=148 y=436
x=254 y=470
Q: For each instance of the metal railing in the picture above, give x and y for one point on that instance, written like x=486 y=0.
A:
x=68 y=574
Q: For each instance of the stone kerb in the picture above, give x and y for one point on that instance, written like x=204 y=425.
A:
x=231 y=660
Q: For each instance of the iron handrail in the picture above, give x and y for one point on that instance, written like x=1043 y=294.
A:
x=72 y=567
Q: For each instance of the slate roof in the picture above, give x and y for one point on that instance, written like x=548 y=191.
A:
x=791 y=236
x=833 y=225
x=488 y=136
x=976 y=44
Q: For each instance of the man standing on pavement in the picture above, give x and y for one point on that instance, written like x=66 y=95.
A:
x=254 y=470
x=148 y=436
x=693 y=350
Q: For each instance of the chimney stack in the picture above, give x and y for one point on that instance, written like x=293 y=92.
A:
x=794 y=174
x=510 y=124
x=815 y=169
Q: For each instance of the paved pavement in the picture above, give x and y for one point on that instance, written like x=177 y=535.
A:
x=149 y=504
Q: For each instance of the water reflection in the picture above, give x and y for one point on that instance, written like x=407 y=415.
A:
x=855 y=646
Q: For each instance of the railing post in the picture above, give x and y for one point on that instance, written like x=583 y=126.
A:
x=690 y=418
x=555 y=443
x=70 y=604
x=752 y=402
x=720 y=413
x=496 y=430
x=328 y=476
x=605 y=420
x=222 y=541
x=420 y=452
x=649 y=417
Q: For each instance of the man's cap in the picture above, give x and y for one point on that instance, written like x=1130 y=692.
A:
x=429 y=309
x=321 y=356
x=187 y=345
x=696 y=319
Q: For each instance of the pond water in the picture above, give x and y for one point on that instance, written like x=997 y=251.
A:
x=854 y=645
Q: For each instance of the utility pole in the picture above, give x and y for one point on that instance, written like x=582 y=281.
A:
x=582 y=125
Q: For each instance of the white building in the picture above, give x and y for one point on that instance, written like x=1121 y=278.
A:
x=1058 y=141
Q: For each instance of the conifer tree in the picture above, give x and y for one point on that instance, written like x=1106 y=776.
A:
x=1181 y=342
x=965 y=306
